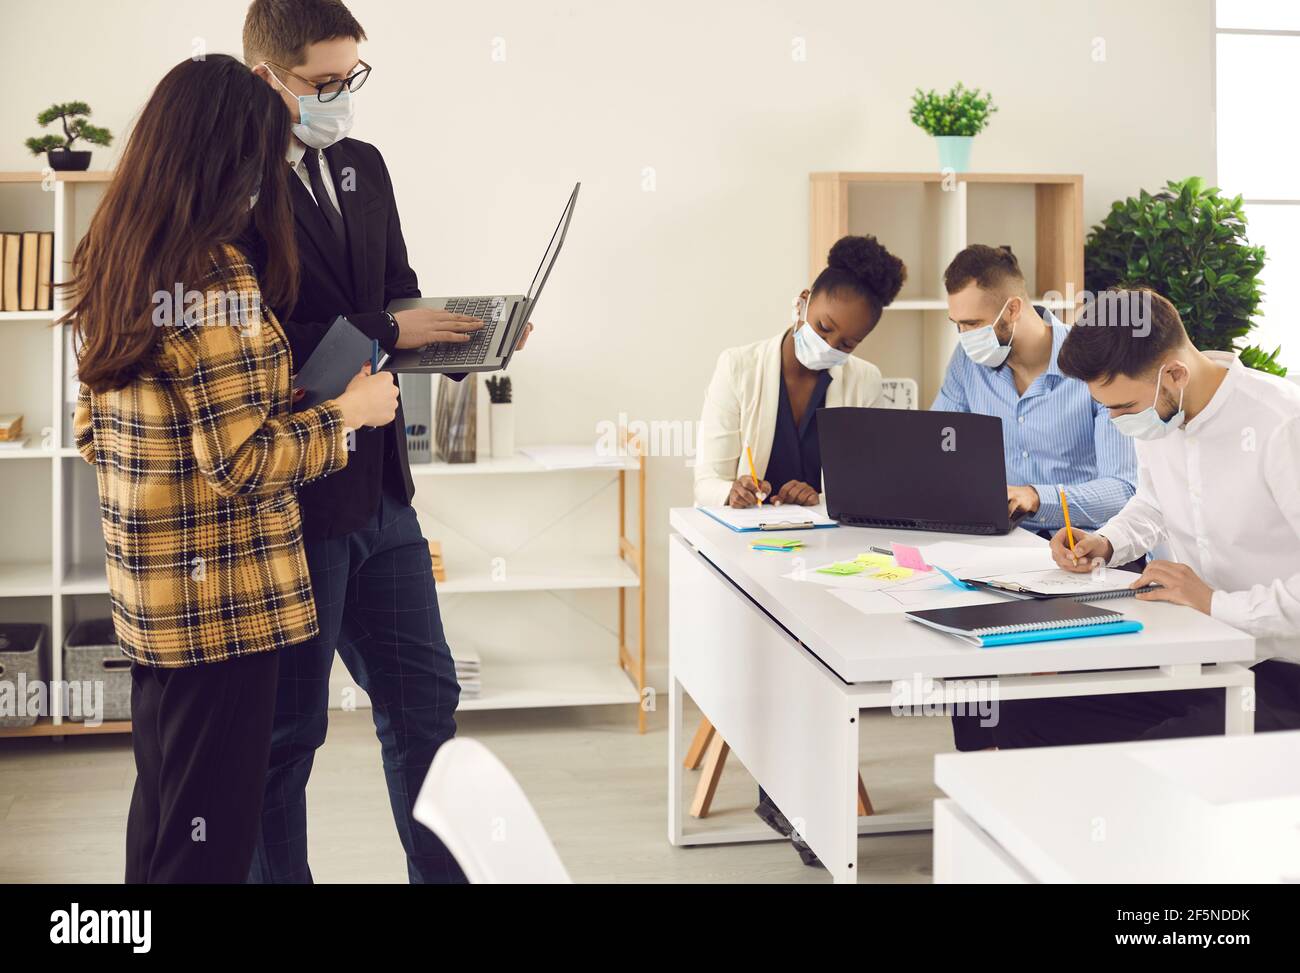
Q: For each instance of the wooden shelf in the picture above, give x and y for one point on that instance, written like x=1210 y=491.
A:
x=560 y=574
x=1028 y=178
x=26 y=452
x=91 y=175
x=926 y=218
x=46 y=727
x=519 y=463
x=552 y=684
x=26 y=315
x=85 y=579
x=26 y=579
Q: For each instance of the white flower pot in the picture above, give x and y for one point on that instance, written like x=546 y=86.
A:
x=502 y=421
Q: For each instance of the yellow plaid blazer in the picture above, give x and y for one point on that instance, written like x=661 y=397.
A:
x=197 y=460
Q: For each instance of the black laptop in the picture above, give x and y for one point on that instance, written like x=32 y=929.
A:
x=910 y=470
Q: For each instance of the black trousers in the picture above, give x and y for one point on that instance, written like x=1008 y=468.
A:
x=1147 y=716
x=202 y=738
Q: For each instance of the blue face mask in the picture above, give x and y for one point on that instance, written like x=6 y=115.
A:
x=321 y=123
x=1147 y=424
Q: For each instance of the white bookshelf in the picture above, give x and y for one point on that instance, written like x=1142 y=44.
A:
x=51 y=568
x=530 y=608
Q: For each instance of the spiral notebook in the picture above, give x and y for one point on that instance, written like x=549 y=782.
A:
x=1062 y=584
x=1014 y=622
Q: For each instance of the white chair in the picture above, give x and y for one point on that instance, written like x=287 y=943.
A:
x=473 y=803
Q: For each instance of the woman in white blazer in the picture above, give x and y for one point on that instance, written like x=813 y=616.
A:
x=765 y=395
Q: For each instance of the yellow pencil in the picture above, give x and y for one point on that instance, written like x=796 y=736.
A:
x=749 y=453
x=1065 y=509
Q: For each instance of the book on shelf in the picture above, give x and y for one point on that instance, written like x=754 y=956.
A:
x=469 y=667
x=27 y=270
x=12 y=244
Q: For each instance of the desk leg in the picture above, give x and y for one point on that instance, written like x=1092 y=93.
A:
x=845 y=789
x=675 y=772
x=1239 y=705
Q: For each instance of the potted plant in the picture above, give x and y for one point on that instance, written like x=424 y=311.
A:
x=1187 y=242
x=954 y=119
x=58 y=148
x=501 y=417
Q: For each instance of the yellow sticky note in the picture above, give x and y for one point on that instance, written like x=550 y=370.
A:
x=842 y=568
x=892 y=574
x=874 y=560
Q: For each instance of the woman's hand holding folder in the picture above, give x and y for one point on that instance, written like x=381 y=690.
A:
x=369 y=400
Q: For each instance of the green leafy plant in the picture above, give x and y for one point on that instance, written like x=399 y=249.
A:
x=1187 y=242
x=72 y=115
x=961 y=111
x=499 y=390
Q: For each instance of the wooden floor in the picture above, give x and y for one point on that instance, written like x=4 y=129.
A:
x=599 y=788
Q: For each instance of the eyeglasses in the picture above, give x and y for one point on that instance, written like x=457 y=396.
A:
x=329 y=90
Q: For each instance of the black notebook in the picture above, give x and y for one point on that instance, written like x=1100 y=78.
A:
x=334 y=363
x=1007 y=622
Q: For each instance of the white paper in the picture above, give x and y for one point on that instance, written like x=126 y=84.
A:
x=571 y=457
x=982 y=560
x=889 y=602
x=750 y=518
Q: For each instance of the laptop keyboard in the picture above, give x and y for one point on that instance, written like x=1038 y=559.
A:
x=481 y=342
x=908 y=524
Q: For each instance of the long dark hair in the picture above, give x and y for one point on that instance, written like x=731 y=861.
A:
x=211 y=135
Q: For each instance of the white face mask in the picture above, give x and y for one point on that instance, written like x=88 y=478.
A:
x=982 y=346
x=1147 y=424
x=321 y=123
x=809 y=347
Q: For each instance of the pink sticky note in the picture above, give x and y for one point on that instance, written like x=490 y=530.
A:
x=909 y=557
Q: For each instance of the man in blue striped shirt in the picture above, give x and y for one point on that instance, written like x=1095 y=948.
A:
x=1052 y=430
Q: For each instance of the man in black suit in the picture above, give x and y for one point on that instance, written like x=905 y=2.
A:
x=370 y=566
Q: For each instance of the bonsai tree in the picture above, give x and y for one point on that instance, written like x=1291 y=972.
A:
x=498 y=390
x=1187 y=242
x=959 y=112
x=72 y=115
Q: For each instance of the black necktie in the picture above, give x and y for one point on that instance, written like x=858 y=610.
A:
x=312 y=160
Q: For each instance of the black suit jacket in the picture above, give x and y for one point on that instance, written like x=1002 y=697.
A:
x=356 y=281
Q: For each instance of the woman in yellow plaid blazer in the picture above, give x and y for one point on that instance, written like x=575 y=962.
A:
x=185 y=412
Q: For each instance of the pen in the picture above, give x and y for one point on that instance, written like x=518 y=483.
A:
x=374 y=356
x=1065 y=509
x=754 y=475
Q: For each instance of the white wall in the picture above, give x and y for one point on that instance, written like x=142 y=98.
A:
x=653 y=284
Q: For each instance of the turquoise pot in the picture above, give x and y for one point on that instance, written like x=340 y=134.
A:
x=954 y=152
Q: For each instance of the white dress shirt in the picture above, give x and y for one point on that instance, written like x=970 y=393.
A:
x=299 y=157
x=1224 y=492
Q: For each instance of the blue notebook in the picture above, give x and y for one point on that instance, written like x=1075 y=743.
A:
x=1017 y=622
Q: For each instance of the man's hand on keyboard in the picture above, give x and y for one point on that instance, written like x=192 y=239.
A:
x=420 y=326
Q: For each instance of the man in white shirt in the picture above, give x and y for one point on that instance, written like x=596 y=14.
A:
x=1218 y=448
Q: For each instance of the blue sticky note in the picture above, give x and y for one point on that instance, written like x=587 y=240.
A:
x=956 y=581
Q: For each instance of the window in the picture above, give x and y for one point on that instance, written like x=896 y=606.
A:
x=1257 y=70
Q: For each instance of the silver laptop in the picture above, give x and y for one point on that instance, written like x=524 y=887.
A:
x=504 y=317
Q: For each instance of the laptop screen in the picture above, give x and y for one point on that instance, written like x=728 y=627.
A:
x=552 y=249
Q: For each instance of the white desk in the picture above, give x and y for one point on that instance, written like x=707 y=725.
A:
x=782 y=669
x=1206 y=809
